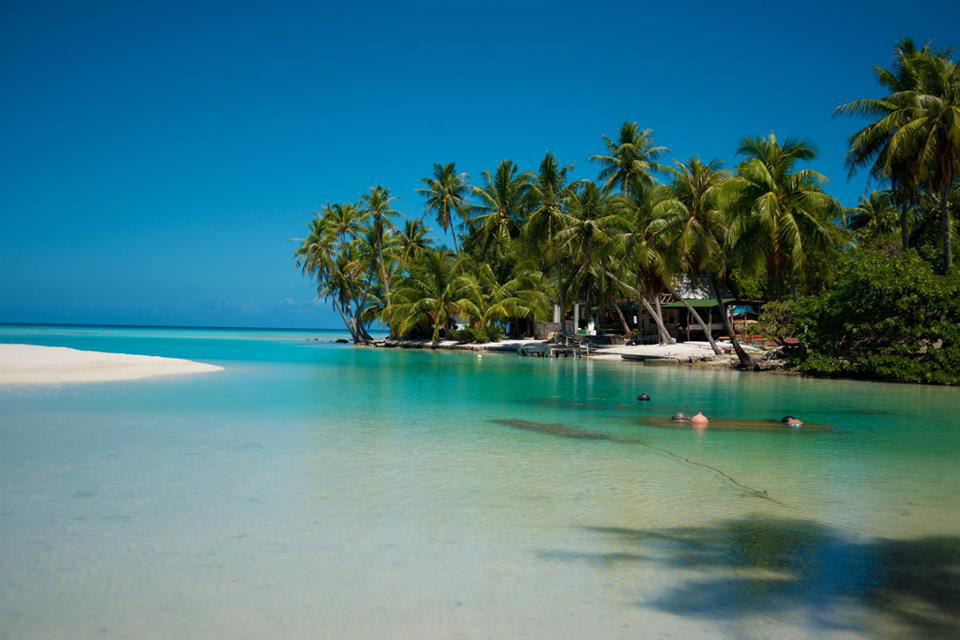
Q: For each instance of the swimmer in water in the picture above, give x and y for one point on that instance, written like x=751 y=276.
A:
x=680 y=417
x=699 y=420
x=792 y=422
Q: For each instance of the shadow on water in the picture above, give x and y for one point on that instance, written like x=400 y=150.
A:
x=562 y=430
x=768 y=566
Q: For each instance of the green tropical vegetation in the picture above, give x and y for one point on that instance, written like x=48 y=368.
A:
x=848 y=286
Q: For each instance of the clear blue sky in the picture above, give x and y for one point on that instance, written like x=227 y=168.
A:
x=158 y=157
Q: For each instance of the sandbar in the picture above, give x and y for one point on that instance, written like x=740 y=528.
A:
x=33 y=364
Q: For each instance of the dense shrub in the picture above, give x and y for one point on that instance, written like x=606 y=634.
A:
x=884 y=317
x=479 y=334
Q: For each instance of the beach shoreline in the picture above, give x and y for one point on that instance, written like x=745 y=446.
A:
x=35 y=364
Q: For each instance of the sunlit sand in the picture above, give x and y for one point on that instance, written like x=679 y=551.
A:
x=32 y=364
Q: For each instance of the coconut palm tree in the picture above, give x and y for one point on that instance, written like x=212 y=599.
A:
x=931 y=133
x=434 y=292
x=551 y=193
x=502 y=206
x=344 y=220
x=915 y=134
x=588 y=242
x=640 y=256
x=411 y=240
x=874 y=216
x=498 y=297
x=871 y=145
x=631 y=160
x=343 y=274
x=377 y=211
x=445 y=192
x=690 y=220
x=776 y=210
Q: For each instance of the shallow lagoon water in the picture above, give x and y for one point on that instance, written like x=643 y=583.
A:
x=314 y=490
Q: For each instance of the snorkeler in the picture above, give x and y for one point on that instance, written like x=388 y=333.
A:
x=790 y=421
x=680 y=417
x=699 y=420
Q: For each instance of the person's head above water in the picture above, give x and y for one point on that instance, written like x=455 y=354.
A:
x=680 y=417
x=699 y=419
x=791 y=421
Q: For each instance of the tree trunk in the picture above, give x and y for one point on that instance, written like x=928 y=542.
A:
x=436 y=333
x=665 y=337
x=623 y=320
x=945 y=218
x=904 y=206
x=661 y=329
x=706 y=329
x=347 y=323
x=453 y=232
x=641 y=325
x=361 y=331
x=745 y=360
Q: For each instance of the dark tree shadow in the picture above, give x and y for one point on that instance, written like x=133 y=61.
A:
x=761 y=565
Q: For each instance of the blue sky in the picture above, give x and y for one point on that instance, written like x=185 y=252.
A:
x=159 y=157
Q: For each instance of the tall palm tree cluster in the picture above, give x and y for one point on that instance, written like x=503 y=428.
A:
x=526 y=242
x=912 y=146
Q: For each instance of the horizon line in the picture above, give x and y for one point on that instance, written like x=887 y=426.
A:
x=167 y=326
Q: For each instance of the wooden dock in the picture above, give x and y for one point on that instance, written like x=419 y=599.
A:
x=548 y=350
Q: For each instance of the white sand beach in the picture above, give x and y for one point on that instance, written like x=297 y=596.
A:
x=683 y=351
x=32 y=364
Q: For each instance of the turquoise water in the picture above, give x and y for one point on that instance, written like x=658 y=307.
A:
x=324 y=491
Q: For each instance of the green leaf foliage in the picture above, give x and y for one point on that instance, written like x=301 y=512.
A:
x=883 y=317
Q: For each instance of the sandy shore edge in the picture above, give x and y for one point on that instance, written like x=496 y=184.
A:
x=33 y=364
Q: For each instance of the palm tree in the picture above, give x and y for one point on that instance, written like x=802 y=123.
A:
x=916 y=131
x=775 y=214
x=871 y=145
x=776 y=211
x=503 y=202
x=551 y=193
x=931 y=132
x=631 y=160
x=433 y=292
x=344 y=220
x=377 y=210
x=411 y=240
x=640 y=257
x=691 y=221
x=498 y=297
x=341 y=272
x=445 y=193
x=874 y=216
x=588 y=242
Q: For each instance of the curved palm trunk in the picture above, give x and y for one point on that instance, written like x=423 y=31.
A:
x=361 y=332
x=623 y=320
x=351 y=327
x=745 y=360
x=665 y=337
x=696 y=316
